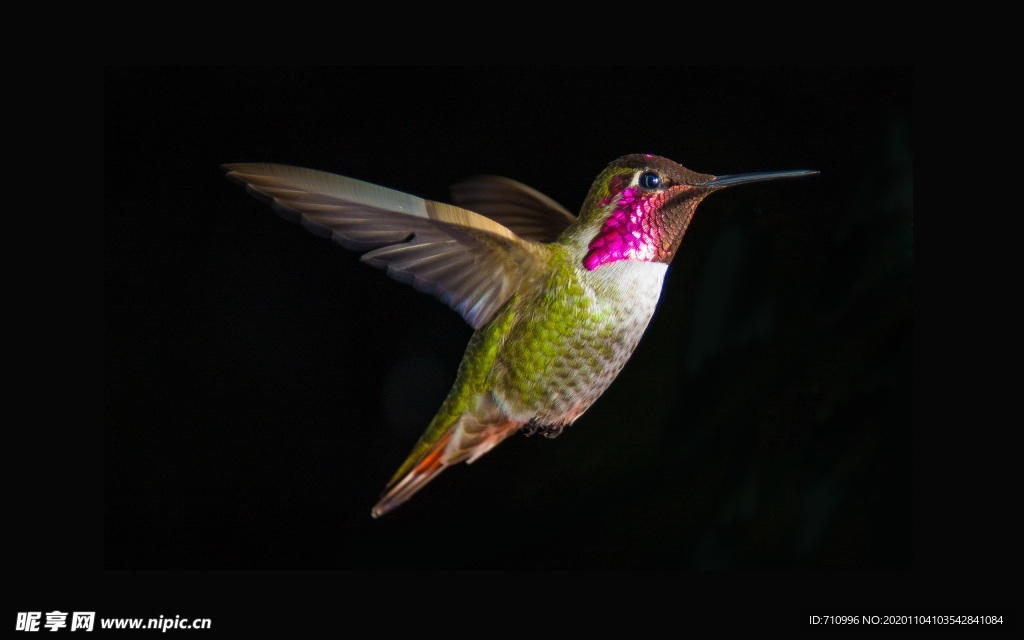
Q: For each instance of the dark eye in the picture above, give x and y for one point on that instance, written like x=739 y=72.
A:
x=650 y=180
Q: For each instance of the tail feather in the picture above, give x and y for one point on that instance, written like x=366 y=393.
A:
x=466 y=440
x=402 y=489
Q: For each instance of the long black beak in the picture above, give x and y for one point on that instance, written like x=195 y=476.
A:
x=720 y=182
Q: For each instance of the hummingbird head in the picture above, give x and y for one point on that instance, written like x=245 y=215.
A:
x=640 y=206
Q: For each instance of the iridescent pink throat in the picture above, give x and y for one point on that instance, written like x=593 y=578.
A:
x=628 y=234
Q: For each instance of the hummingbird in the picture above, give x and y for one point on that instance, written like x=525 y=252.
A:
x=558 y=302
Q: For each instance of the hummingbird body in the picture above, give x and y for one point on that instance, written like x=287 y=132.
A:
x=547 y=355
x=559 y=303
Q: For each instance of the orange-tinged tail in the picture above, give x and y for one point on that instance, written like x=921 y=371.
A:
x=466 y=440
x=400 y=490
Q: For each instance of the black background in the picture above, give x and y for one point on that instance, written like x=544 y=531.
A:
x=261 y=385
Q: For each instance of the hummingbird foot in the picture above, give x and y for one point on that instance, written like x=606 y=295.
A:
x=547 y=430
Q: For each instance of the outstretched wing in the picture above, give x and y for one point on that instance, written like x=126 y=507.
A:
x=470 y=262
x=527 y=212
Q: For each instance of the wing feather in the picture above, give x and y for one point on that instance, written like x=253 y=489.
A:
x=468 y=261
x=527 y=212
